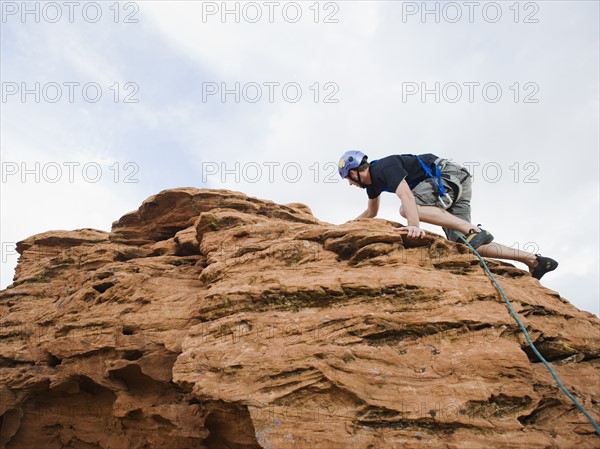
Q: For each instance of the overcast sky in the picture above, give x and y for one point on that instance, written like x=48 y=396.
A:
x=133 y=98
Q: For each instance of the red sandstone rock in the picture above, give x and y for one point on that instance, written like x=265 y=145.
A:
x=209 y=319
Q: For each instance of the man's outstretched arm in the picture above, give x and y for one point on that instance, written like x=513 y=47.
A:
x=372 y=208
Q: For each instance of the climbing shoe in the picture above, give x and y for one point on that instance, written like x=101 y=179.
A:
x=476 y=239
x=544 y=265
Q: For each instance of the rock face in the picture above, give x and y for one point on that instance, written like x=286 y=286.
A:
x=209 y=319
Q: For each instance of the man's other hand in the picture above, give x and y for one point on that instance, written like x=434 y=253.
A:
x=412 y=231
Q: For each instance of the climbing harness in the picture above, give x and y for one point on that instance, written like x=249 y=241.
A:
x=441 y=190
x=528 y=338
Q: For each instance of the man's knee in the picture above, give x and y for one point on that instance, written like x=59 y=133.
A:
x=402 y=213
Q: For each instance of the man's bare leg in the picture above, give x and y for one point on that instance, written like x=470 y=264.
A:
x=435 y=215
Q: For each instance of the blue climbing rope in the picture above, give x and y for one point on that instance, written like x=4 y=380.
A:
x=531 y=345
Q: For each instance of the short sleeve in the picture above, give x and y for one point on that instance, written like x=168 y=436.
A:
x=393 y=176
x=372 y=193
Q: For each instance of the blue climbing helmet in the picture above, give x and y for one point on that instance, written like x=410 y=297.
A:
x=350 y=160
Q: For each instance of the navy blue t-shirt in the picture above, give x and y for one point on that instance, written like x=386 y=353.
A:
x=388 y=172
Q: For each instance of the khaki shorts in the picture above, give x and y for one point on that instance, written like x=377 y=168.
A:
x=457 y=182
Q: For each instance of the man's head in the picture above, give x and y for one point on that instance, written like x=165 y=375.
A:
x=353 y=166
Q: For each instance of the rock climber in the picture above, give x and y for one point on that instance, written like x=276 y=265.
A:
x=433 y=190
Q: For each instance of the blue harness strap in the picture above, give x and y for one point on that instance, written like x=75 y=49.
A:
x=440 y=186
x=441 y=190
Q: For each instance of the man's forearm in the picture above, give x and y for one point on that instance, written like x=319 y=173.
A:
x=365 y=214
x=408 y=204
x=410 y=208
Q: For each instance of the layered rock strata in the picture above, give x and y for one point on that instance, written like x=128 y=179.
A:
x=210 y=319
